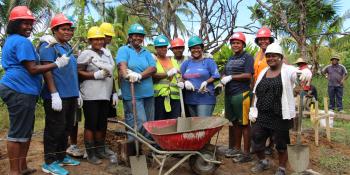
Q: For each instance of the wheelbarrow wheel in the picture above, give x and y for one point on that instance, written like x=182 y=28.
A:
x=202 y=167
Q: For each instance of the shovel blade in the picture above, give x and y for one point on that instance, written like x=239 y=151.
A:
x=298 y=157
x=138 y=165
x=183 y=124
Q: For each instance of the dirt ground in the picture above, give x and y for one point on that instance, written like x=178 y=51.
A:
x=35 y=157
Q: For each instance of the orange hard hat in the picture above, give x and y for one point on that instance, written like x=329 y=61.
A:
x=59 y=19
x=238 y=36
x=264 y=32
x=177 y=42
x=21 y=12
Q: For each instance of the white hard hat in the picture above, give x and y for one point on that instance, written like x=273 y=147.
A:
x=274 y=48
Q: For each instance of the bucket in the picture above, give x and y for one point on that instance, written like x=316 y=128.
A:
x=323 y=122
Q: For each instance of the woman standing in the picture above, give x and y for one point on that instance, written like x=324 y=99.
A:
x=136 y=65
x=273 y=108
x=199 y=74
x=20 y=86
x=95 y=69
x=166 y=92
x=238 y=72
x=60 y=95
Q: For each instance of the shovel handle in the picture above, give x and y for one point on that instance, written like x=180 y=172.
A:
x=133 y=102
x=300 y=117
x=183 y=115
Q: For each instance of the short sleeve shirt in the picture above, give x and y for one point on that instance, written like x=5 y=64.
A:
x=335 y=74
x=17 y=49
x=96 y=89
x=137 y=62
x=238 y=64
x=197 y=71
x=65 y=78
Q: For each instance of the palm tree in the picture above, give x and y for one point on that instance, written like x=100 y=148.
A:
x=40 y=8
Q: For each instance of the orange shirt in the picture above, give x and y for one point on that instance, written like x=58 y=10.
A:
x=166 y=63
x=259 y=63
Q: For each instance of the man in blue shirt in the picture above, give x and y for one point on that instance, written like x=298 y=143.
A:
x=336 y=74
x=136 y=65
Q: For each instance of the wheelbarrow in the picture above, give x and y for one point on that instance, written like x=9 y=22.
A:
x=189 y=144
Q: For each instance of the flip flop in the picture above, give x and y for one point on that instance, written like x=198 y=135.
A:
x=28 y=171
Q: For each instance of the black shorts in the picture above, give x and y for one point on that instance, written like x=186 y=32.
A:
x=260 y=134
x=96 y=113
x=21 y=109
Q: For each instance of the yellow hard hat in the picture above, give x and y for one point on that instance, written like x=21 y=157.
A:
x=95 y=32
x=107 y=29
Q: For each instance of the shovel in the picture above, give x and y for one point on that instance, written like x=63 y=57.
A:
x=138 y=163
x=298 y=154
x=183 y=123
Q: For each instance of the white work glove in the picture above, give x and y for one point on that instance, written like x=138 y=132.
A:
x=171 y=72
x=305 y=76
x=226 y=79
x=101 y=65
x=80 y=101
x=253 y=114
x=134 y=77
x=203 y=87
x=56 y=102
x=49 y=39
x=101 y=74
x=62 y=61
x=181 y=85
x=115 y=99
x=189 y=86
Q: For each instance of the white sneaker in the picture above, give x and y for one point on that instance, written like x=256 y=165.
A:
x=73 y=150
x=85 y=155
x=108 y=151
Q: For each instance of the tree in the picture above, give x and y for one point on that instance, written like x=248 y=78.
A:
x=306 y=25
x=163 y=13
x=40 y=8
x=217 y=21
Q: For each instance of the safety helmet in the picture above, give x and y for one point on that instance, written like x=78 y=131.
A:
x=21 y=12
x=161 y=40
x=264 y=32
x=107 y=29
x=194 y=40
x=59 y=19
x=274 y=48
x=238 y=36
x=71 y=18
x=95 y=32
x=300 y=60
x=177 y=42
x=136 y=29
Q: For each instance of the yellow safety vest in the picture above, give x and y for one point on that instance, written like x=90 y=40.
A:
x=166 y=87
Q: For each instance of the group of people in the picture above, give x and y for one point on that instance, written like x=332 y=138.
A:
x=259 y=95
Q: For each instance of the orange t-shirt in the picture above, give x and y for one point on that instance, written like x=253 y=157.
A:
x=166 y=64
x=259 y=63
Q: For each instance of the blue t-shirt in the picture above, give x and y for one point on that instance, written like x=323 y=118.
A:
x=137 y=62
x=237 y=64
x=197 y=71
x=65 y=78
x=17 y=49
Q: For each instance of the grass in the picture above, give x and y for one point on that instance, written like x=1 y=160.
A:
x=334 y=161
